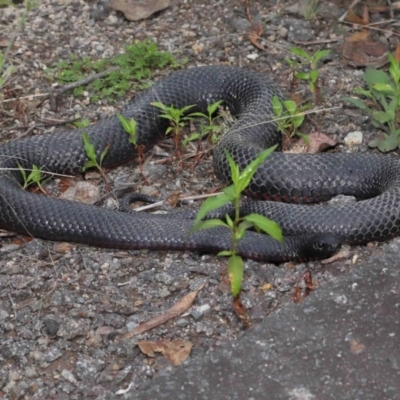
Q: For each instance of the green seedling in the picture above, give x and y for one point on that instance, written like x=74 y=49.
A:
x=177 y=118
x=35 y=176
x=238 y=225
x=210 y=129
x=130 y=127
x=289 y=117
x=383 y=92
x=130 y=70
x=83 y=123
x=92 y=158
x=310 y=60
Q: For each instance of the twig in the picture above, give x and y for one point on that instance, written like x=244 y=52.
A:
x=58 y=92
x=160 y=203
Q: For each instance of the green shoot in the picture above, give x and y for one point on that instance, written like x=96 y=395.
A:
x=91 y=154
x=130 y=127
x=383 y=90
x=35 y=176
x=177 y=118
x=289 y=117
x=238 y=225
x=310 y=60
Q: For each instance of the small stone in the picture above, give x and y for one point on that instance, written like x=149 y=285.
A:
x=198 y=312
x=31 y=372
x=68 y=375
x=353 y=138
x=51 y=325
x=182 y=322
x=252 y=56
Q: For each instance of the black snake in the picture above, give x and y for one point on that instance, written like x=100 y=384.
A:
x=311 y=231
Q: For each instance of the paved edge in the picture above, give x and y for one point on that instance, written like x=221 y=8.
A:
x=342 y=342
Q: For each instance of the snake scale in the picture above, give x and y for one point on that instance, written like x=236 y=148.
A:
x=311 y=231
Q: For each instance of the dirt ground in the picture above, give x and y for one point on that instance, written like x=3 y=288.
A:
x=65 y=308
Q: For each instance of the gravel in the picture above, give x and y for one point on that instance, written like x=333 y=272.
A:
x=64 y=308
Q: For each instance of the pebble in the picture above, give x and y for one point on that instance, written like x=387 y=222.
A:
x=353 y=138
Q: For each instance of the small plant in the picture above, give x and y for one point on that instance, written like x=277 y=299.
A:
x=312 y=61
x=383 y=90
x=177 y=118
x=129 y=70
x=130 y=127
x=238 y=225
x=83 y=123
x=35 y=176
x=289 y=117
x=91 y=154
x=210 y=129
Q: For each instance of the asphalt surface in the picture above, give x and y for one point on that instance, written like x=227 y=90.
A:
x=342 y=342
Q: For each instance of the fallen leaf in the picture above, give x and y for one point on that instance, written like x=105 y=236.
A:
x=255 y=34
x=299 y=294
x=360 y=51
x=353 y=18
x=176 y=351
x=135 y=10
x=319 y=142
x=173 y=199
x=177 y=309
x=241 y=312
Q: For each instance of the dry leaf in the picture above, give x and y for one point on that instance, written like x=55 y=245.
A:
x=255 y=35
x=173 y=199
x=360 y=51
x=177 y=309
x=135 y=10
x=241 y=312
x=176 y=351
x=353 y=18
x=319 y=142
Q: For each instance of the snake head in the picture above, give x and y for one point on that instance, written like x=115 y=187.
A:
x=319 y=246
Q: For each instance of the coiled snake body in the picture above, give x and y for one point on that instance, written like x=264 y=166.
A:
x=311 y=231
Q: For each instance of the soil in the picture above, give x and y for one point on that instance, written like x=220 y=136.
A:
x=64 y=308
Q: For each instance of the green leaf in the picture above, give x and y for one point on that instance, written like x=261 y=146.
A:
x=210 y=223
x=248 y=172
x=389 y=144
x=300 y=53
x=229 y=221
x=314 y=75
x=88 y=147
x=89 y=164
x=290 y=105
x=234 y=169
x=305 y=138
x=230 y=192
x=235 y=268
x=225 y=253
x=363 y=92
x=382 y=116
x=103 y=153
x=383 y=88
x=305 y=76
x=277 y=106
x=23 y=173
x=212 y=203
x=318 y=55
x=266 y=225
x=356 y=102
x=373 y=76
x=212 y=108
